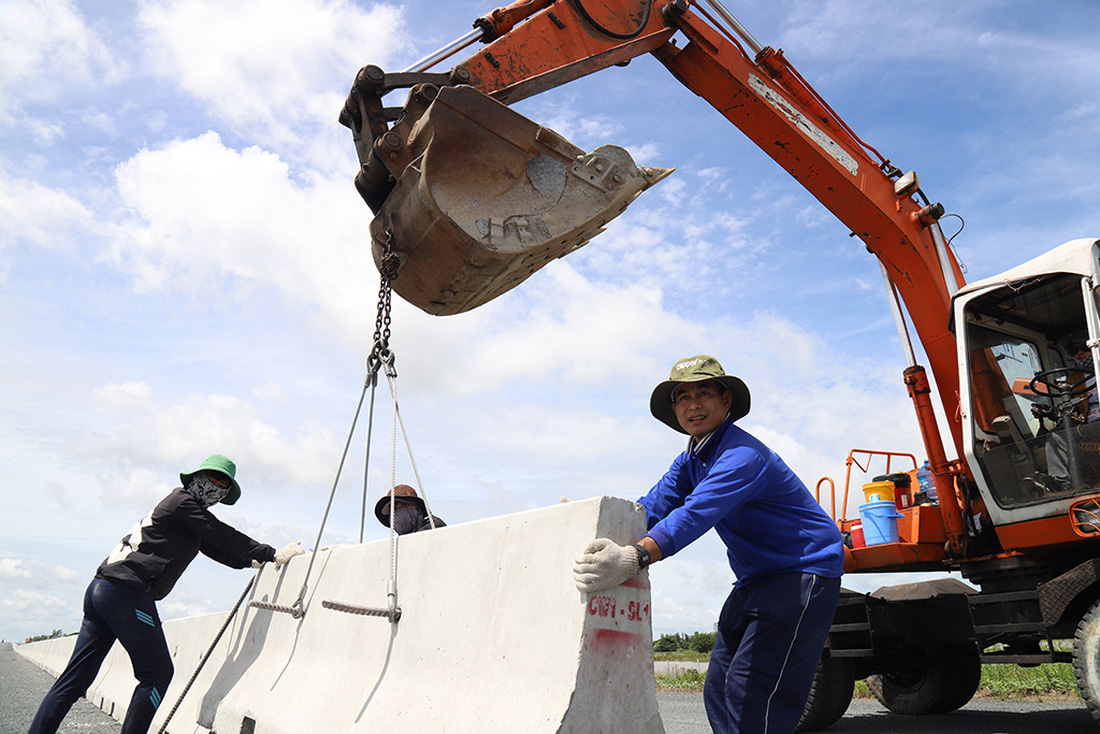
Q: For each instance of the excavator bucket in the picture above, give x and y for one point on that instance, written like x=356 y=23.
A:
x=484 y=197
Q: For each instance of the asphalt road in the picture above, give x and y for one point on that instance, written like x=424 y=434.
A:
x=22 y=686
x=683 y=714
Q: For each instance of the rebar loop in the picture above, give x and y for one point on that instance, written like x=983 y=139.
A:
x=392 y=614
x=295 y=611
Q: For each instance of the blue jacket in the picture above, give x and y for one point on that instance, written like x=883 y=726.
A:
x=764 y=514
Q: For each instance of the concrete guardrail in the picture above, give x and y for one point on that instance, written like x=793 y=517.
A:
x=493 y=637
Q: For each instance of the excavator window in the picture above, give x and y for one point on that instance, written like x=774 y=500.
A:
x=1035 y=414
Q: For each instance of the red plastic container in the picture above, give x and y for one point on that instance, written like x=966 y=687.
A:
x=856 y=530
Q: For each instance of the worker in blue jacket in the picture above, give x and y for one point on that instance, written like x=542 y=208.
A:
x=120 y=603
x=783 y=548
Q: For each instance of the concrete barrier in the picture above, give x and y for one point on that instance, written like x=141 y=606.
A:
x=493 y=637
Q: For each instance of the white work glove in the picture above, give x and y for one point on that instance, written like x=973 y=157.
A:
x=605 y=564
x=281 y=557
x=294 y=549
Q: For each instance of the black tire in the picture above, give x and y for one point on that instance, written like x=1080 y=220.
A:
x=1086 y=659
x=830 y=695
x=942 y=686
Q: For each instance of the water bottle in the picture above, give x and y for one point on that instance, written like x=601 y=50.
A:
x=924 y=479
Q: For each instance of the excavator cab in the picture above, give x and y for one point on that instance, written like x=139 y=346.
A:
x=1030 y=340
x=470 y=196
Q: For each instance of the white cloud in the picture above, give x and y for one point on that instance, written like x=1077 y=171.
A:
x=43 y=605
x=260 y=224
x=12 y=568
x=140 y=488
x=124 y=397
x=45 y=45
x=816 y=27
x=269 y=391
x=35 y=215
x=153 y=438
x=269 y=66
x=35 y=573
x=43 y=132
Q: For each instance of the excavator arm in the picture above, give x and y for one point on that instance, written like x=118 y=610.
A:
x=535 y=45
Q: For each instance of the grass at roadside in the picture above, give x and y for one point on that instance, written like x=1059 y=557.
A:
x=685 y=680
x=683 y=656
x=1050 y=681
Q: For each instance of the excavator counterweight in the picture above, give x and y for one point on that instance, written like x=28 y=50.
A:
x=483 y=197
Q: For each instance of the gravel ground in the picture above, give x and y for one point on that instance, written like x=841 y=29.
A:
x=22 y=686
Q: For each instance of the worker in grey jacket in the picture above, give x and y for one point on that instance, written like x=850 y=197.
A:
x=120 y=603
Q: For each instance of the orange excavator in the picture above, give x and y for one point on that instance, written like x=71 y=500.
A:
x=470 y=198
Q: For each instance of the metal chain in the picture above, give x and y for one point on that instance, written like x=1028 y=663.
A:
x=380 y=357
x=387 y=268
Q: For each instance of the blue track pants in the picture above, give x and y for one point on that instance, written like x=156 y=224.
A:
x=770 y=637
x=112 y=611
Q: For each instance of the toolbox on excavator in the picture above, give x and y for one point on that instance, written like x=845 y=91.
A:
x=478 y=197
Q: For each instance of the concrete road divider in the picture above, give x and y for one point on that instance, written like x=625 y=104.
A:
x=493 y=637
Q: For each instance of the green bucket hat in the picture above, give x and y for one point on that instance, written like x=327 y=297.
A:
x=222 y=465
x=696 y=369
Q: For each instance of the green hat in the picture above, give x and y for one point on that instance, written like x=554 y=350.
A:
x=696 y=369
x=222 y=465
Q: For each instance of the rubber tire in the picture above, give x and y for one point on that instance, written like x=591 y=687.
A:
x=940 y=688
x=830 y=695
x=1086 y=659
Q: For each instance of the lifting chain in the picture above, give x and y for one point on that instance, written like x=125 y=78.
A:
x=388 y=265
x=380 y=356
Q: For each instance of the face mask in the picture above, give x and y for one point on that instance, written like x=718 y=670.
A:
x=206 y=492
x=406 y=518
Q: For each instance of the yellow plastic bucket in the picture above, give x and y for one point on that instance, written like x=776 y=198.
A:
x=884 y=490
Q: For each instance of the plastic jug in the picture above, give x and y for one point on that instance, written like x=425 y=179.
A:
x=924 y=480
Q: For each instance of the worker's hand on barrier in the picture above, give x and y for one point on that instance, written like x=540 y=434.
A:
x=294 y=549
x=604 y=564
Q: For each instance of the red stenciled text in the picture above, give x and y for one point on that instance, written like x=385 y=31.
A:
x=606 y=606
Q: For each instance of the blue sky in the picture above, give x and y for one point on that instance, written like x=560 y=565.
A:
x=185 y=269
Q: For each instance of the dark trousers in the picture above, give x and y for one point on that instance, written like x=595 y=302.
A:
x=770 y=637
x=112 y=611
